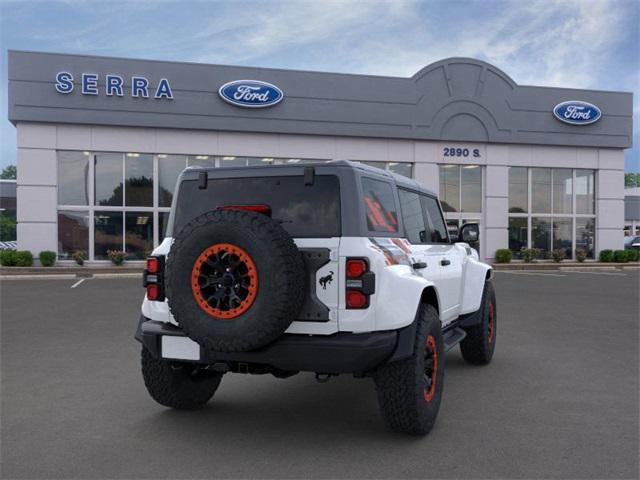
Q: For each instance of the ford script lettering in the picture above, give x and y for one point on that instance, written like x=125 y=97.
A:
x=250 y=93
x=577 y=112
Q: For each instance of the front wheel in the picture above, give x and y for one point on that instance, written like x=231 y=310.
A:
x=179 y=385
x=478 y=346
x=410 y=390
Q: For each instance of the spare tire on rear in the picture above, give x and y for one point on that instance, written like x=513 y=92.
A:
x=234 y=280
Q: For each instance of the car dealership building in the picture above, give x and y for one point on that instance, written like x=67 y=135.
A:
x=102 y=140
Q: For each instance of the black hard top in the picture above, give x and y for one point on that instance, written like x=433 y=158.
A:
x=298 y=168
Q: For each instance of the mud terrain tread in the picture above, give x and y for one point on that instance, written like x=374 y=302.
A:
x=174 y=388
x=400 y=384
x=289 y=294
x=475 y=348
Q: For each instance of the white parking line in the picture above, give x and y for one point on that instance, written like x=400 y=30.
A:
x=78 y=283
x=599 y=273
x=532 y=273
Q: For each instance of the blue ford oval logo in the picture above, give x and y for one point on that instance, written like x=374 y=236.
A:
x=250 y=93
x=577 y=112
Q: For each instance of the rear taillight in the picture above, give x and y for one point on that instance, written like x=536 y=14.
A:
x=153 y=278
x=259 y=208
x=153 y=265
x=360 y=283
x=153 y=291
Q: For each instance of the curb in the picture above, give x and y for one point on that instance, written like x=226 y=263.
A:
x=75 y=272
x=564 y=266
x=68 y=276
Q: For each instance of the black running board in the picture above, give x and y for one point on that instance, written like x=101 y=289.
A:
x=453 y=337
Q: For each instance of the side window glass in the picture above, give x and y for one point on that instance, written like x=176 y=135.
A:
x=380 y=206
x=437 y=228
x=412 y=216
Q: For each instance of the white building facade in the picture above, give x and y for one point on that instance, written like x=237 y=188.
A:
x=97 y=165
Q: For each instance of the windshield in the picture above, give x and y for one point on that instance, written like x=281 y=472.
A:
x=303 y=210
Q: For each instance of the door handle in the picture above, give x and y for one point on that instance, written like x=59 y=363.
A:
x=445 y=262
x=419 y=265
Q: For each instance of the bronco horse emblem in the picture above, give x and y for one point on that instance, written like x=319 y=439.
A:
x=327 y=279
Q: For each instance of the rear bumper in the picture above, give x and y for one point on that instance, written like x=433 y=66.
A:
x=337 y=353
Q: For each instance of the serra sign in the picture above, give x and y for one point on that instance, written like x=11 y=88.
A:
x=113 y=85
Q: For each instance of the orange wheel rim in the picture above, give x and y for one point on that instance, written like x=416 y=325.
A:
x=224 y=281
x=430 y=368
x=492 y=322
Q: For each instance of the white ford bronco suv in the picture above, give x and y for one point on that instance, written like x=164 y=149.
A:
x=329 y=268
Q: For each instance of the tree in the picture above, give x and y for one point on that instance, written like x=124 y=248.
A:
x=632 y=180
x=9 y=172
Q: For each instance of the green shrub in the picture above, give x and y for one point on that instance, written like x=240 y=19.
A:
x=503 y=255
x=581 y=254
x=633 y=255
x=529 y=254
x=7 y=227
x=606 y=256
x=558 y=255
x=7 y=258
x=79 y=256
x=24 y=258
x=620 y=256
x=47 y=258
x=117 y=256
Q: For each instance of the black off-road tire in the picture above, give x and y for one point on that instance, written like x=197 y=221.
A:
x=280 y=271
x=402 y=385
x=182 y=386
x=478 y=346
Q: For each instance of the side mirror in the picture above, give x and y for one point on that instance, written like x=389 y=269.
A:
x=469 y=233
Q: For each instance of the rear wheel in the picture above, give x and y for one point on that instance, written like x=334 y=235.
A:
x=479 y=344
x=180 y=385
x=410 y=390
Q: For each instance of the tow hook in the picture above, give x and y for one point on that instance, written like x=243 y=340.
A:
x=323 y=377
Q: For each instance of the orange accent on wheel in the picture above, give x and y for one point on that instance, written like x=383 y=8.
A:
x=431 y=371
x=224 y=281
x=492 y=324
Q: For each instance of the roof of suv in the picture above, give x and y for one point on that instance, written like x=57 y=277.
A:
x=400 y=180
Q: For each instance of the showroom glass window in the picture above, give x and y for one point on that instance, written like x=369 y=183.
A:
x=121 y=200
x=551 y=209
x=461 y=197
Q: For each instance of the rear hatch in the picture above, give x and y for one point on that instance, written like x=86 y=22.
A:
x=309 y=210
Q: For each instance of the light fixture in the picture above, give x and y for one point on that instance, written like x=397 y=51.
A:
x=133 y=155
x=393 y=164
x=266 y=159
x=202 y=157
x=228 y=158
x=470 y=166
x=162 y=155
x=85 y=153
x=142 y=220
x=293 y=160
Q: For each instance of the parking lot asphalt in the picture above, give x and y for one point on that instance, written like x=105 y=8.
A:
x=559 y=400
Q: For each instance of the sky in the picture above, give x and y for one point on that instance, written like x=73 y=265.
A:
x=565 y=43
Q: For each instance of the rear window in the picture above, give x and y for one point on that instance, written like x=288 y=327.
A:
x=380 y=206
x=302 y=210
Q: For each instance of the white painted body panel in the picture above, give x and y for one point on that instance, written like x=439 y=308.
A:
x=398 y=287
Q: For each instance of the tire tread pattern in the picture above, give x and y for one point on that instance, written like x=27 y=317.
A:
x=475 y=347
x=174 y=387
x=400 y=384
x=289 y=291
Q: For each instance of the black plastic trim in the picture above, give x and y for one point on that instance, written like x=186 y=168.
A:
x=338 y=353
